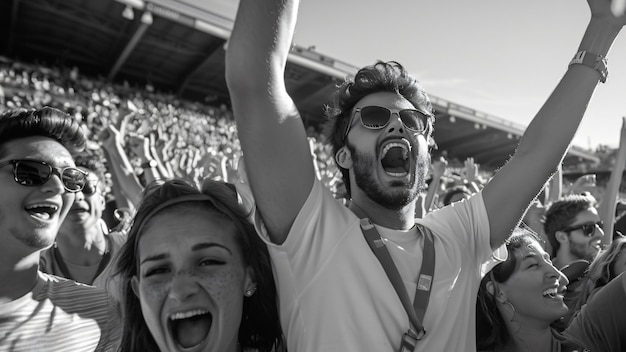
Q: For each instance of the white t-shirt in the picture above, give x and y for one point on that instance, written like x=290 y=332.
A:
x=60 y=315
x=335 y=296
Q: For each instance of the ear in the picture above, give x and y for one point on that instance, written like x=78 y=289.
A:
x=344 y=158
x=250 y=280
x=134 y=284
x=495 y=291
x=561 y=237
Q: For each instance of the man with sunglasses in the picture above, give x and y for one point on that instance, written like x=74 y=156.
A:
x=574 y=230
x=39 y=182
x=84 y=249
x=334 y=293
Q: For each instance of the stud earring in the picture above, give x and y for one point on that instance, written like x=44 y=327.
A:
x=249 y=292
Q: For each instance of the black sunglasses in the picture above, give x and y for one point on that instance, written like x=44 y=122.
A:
x=35 y=173
x=91 y=187
x=377 y=117
x=589 y=229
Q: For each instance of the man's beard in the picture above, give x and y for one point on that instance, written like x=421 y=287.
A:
x=390 y=198
x=582 y=251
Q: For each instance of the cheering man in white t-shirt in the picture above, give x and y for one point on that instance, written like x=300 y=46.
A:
x=334 y=293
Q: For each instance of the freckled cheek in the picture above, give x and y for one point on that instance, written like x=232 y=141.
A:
x=224 y=286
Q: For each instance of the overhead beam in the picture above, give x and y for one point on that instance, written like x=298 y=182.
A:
x=215 y=45
x=146 y=21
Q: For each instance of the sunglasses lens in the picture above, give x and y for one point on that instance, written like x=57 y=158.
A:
x=375 y=116
x=90 y=187
x=413 y=120
x=73 y=179
x=32 y=173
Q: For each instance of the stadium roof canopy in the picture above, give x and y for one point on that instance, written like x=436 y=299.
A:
x=178 y=47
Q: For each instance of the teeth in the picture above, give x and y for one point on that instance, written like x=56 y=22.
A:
x=189 y=314
x=551 y=292
x=405 y=149
x=52 y=206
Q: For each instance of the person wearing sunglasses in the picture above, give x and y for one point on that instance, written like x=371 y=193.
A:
x=574 y=230
x=39 y=183
x=85 y=249
x=334 y=293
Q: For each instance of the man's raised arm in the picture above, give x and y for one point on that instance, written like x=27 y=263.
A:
x=272 y=136
x=548 y=136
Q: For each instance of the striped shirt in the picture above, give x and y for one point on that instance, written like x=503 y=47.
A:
x=60 y=315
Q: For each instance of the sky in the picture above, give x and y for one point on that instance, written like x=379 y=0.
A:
x=499 y=57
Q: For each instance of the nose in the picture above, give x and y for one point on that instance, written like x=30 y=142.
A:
x=395 y=123
x=183 y=287
x=54 y=184
x=79 y=196
x=554 y=273
x=598 y=232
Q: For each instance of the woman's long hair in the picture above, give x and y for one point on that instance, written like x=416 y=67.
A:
x=491 y=330
x=260 y=326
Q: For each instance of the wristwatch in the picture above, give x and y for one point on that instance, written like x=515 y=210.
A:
x=150 y=164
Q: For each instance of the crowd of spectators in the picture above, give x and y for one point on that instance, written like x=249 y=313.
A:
x=193 y=140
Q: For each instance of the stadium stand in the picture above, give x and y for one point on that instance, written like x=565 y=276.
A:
x=178 y=47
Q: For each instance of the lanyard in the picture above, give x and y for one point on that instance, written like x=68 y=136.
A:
x=417 y=310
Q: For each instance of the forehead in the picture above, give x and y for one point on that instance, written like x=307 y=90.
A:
x=179 y=228
x=386 y=99
x=586 y=216
x=39 y=148
x=529 y=248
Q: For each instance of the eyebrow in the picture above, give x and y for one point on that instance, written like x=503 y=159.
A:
x=155 y=258
x=204 y=245
x=196 y=247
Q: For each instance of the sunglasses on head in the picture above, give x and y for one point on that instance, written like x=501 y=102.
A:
x=377 y=117
x=35 y=173
x=589 y=229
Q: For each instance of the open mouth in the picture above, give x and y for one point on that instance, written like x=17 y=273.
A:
x=42 y=211
x=394 y=159
x=553 y=293
x=190 y=329
x=78 y=210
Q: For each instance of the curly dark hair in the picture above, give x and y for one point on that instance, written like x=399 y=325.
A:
x=562 y=213
x=380 y=77
x=94 y=161
x=260 y=326
x=46 y=122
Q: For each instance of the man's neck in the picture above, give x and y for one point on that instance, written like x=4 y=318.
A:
x=18 y=276
x=402 y=219
x=86 y=249
x=562 y=259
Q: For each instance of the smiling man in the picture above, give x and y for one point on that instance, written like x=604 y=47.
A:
x=574 y=229
x=84 y=249
x=334 y=294
x=39 y=182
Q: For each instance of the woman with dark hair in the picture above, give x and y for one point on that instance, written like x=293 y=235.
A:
x=519 y=299
x=195 y=276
